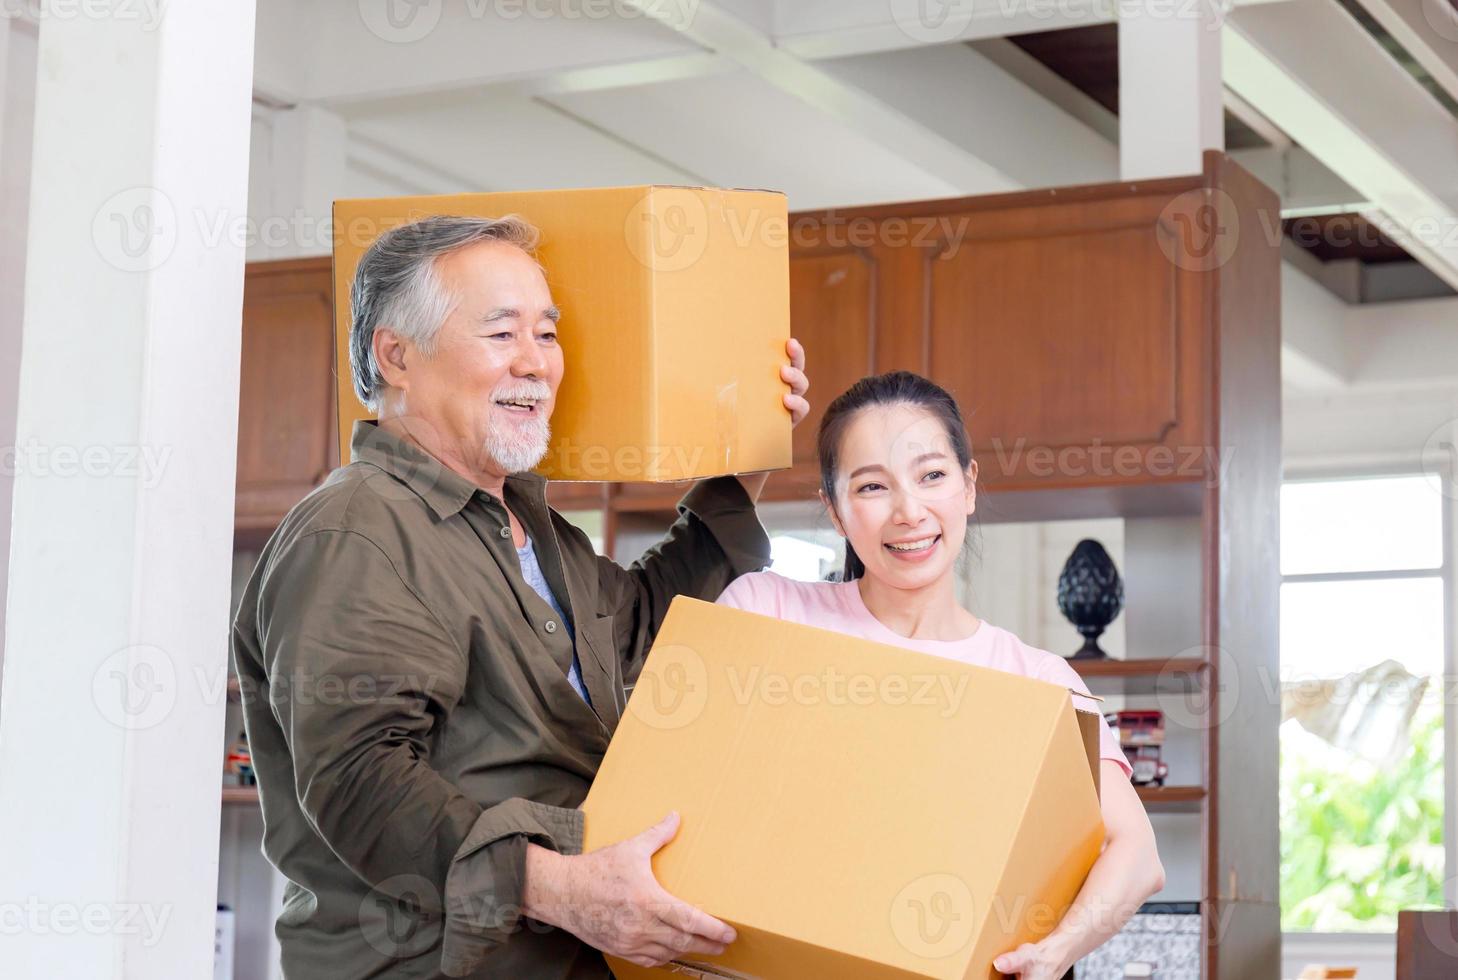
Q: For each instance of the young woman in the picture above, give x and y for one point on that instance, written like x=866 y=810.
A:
x=899 y=483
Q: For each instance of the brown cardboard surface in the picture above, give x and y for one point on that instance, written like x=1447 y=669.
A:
x=852 y=809
x=675 y=312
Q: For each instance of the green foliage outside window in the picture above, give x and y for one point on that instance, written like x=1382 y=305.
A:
x=1359 y=841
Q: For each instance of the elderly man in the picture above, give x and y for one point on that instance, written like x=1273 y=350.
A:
x=433 y=661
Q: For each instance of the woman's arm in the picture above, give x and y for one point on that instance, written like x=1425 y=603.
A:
x=1124 y=876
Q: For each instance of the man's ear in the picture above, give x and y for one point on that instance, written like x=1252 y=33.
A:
x=971 y=487
x=830 y=509
x=392 y=357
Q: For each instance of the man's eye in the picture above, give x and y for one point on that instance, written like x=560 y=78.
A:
x=549 y=337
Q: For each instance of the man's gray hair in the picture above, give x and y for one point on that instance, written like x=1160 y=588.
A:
x=396 y=286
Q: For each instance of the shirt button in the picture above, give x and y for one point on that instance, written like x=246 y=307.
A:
x=551 y=626
x=506 y=531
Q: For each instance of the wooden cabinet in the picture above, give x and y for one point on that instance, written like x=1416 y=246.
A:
x=1074 y=326
x=832 y=312
x=286 y=428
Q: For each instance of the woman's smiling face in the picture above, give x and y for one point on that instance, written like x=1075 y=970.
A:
x=901 y=498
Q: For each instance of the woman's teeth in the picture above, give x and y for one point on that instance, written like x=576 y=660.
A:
x=921 y=545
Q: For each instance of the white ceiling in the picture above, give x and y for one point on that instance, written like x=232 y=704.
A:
x=849 y=102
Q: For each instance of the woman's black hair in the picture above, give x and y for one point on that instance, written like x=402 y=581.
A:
x=894 y=388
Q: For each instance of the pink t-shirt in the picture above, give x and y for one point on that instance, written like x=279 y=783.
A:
x=838 y=606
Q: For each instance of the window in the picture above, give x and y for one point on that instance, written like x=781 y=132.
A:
x=1364 y=579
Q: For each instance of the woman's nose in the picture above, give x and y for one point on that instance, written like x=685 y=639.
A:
x=907 y=508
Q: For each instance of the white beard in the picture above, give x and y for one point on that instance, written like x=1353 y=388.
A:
x=522 y=449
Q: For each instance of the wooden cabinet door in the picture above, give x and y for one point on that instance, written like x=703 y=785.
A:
x=833 y=313
x=286 y=417
x=1072 y=343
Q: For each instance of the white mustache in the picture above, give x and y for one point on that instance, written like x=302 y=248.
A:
x=535 y=390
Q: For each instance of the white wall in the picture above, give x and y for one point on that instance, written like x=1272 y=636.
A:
x=17 y=116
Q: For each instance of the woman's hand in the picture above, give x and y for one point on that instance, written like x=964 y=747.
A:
x=1033 y=961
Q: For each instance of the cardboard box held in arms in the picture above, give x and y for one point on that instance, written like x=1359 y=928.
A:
x=854 y=810
x=675 y=312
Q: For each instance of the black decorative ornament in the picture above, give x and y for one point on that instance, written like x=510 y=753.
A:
x=1090 y=595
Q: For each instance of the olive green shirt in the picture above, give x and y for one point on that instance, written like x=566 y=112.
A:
x=407 y=705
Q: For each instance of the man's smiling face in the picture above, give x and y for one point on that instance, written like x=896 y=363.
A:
x=489 y=387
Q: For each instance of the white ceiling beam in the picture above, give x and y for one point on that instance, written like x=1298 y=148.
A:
x=714 y=28
x=653 y=71
x=1050 y=85
x=419 y=176
x=341 y=53
x=1428 y=29
x=1305 y=185
x=1256 y=121
x=1007 y=125
x=1314 y=72
x=837 y=28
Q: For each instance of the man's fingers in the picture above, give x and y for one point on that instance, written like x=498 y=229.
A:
x=660 y=833
x=683 y=917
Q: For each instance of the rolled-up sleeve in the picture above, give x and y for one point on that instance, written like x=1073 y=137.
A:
x=359 y=672
x=717 y=538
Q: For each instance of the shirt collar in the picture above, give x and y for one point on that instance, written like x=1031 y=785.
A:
x=444 y=490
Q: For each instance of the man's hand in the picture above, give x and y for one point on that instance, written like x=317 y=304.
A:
x=610 y=900
x=793 y=374
x=1032 y=961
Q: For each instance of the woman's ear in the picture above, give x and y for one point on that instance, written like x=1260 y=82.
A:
x=830 y=509
x=971 y=476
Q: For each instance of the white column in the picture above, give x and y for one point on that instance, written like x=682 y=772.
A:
x=1170 y=94
x=307 y=162
x=17 y=109
x=111 y=730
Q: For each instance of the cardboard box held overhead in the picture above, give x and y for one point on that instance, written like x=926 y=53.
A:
x=675 y=312
x=854 y=810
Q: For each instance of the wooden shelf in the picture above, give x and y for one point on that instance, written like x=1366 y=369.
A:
x=240 y=796
x=1164 y=675
x=1171 y=799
